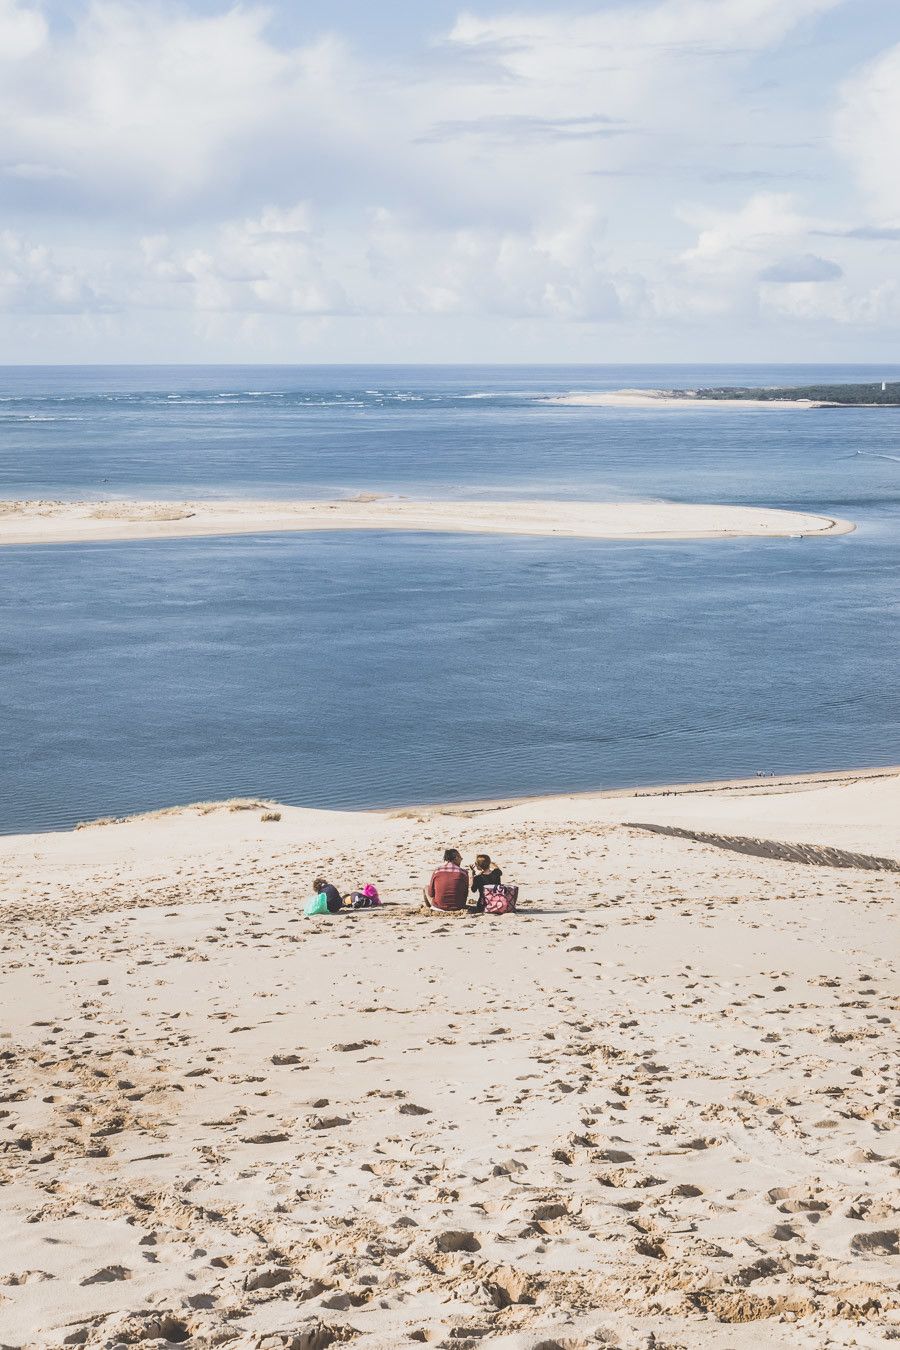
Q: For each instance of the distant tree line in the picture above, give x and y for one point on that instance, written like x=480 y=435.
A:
x=817 y=393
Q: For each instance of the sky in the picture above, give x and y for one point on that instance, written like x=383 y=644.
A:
x=338 y=180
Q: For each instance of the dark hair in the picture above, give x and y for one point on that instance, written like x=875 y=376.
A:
x=319 y=883
x=451 y=854
x=483 y=859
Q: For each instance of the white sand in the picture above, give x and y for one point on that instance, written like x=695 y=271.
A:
x=661 y=398
x=652 y=1109
x=35 y=522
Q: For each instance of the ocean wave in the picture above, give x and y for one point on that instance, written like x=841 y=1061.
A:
x=39 y=417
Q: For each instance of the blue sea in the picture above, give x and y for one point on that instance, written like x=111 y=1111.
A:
x=346 y=670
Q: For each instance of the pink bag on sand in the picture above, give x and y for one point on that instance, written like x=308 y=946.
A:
x=366 y=898
x=500 y=899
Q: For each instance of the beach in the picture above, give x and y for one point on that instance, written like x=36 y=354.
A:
x=54 y=522
x=651 y=1109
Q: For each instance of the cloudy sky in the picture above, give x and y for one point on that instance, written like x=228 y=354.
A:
x=340 y=180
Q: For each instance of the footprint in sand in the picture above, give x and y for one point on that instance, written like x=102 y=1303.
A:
x=26 y=1277
x=796 y=1200
x=886 y=1243
x=457 y=1240
x=108 y=1275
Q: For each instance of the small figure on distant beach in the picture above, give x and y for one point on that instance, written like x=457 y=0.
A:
x=484 y=873
x=367 y=898
x=327 y=899
x=333 y=898
x=448 y=888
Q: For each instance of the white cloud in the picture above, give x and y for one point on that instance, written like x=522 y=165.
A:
x=269 y=264
x=22 y=30
x=751 y=263
x=525 y=169
x=283 y=262
x=868 y=132
x=873 y=306
x=151 y=108
x=155 y=109
x=737 y=243
x=34 y=280
x=554 y=271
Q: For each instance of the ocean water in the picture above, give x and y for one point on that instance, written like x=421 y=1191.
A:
x=374 y=669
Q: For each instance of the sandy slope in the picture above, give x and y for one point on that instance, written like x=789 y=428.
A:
x=652 y=1109
x=36 y=522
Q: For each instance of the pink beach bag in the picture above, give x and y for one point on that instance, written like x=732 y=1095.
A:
x=500 y=899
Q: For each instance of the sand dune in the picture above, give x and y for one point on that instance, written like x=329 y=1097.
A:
x=652 y=1109
x=37 y=522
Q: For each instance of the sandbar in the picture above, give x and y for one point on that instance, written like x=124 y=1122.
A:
x=653 y=1107
x=58 y=522
x=662 y=398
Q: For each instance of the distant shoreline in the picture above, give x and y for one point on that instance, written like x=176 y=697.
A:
x=802 y=396
x=762 y=786
x=27 y=523
x=665 y=398
x=719 y=788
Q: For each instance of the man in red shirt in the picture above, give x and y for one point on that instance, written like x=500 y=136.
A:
x=449 y=884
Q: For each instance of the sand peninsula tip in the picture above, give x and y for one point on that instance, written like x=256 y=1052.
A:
x=58 y=522
x=882 y=395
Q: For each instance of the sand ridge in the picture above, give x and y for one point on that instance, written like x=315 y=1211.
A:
x=652 y=1109
x=50 y=522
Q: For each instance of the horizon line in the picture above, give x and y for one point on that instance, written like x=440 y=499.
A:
x=428 y=365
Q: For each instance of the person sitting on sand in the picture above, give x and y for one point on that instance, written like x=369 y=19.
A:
x=484 y=873
x=449 y=884
x=332 y=895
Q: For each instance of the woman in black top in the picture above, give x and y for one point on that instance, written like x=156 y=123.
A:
x=331 y=893
x=484 y=873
